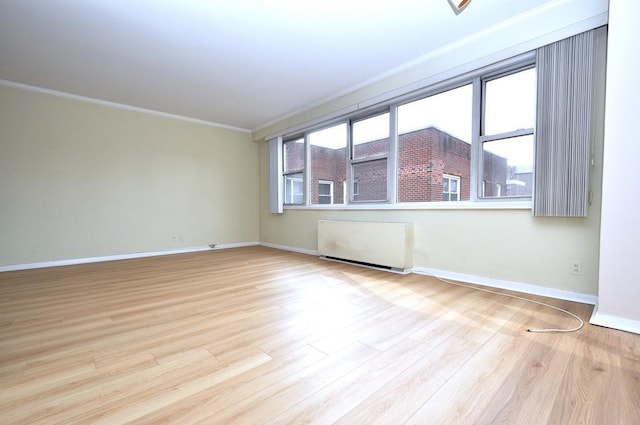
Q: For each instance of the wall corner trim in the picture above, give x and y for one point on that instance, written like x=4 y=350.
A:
x=614 y=322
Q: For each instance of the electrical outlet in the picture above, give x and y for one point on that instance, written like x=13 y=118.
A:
x=576 y=268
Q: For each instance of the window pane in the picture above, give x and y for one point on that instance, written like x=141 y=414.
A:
x=293 y=155
x=328 y=160
x=371 y=136
x=507 y=166
x=434 y=138
x=324 y=189
x=510 y=102
x=293 y=189
x=372 y=180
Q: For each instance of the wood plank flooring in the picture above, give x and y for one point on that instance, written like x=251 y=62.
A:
x=262 y=336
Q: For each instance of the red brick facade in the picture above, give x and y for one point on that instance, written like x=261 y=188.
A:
x=424 y=157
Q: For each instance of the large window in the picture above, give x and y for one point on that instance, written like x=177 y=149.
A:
x=467 y=140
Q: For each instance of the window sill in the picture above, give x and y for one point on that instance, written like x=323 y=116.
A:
x=461 y=205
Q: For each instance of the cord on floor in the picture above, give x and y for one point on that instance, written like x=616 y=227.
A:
x=574 y=329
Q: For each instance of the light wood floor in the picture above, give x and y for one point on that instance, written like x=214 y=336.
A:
x=256 y=335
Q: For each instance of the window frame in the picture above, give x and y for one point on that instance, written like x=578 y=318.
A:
x=476 y=199
x=480 y=138
x=286 y=173
x=451 y=177
x=352 y=161
x=325 y=182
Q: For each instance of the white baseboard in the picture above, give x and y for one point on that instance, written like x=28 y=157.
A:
x=512 y=286
x=290 y=248
x=495 y=283
x=479 y=280
x=128 y=256
x=614 y=322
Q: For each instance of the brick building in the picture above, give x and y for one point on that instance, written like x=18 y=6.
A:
x=432 y=166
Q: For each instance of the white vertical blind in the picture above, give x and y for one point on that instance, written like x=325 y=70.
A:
x=275 y=175
x=567 y=73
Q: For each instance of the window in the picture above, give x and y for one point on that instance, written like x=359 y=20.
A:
x=325 y=192
x=450 y=188
x=509 y=103
x=369 y=157
x=293 y=189
x=434 y=139
x=328 y=152
x=467 y=139
x=293 y=171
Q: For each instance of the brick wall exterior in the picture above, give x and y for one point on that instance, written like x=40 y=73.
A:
x=424 y=156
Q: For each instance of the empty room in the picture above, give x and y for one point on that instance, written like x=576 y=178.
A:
x=324 y=212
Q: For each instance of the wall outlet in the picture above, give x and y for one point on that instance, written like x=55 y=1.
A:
x=576 y=268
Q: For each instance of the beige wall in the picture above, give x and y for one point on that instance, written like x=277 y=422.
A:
x=80 y=180
x=509 y=245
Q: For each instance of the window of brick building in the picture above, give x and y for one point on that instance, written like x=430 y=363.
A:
x=450 y=188
x=325 y=192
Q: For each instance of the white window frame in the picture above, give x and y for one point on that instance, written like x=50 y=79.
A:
x=325 y=182
x=451 y=177
x=286 y=174
x=477 y=79
x=482 y=138
x=292 y=180
x=372 y=158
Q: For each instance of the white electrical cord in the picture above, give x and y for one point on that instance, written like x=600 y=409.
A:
x=577 y=328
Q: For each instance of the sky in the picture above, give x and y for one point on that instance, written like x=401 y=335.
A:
x=509 y=105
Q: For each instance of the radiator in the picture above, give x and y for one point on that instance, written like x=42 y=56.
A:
x=386 y=245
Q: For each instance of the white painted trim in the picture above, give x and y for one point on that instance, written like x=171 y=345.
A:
x=512 y=286
x=444 y=205
x=128 y=256
x=290 y=248
x=614 y=322
x=235 y=245
x=117 y=105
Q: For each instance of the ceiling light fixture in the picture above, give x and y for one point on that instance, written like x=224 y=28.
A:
x=459 y=5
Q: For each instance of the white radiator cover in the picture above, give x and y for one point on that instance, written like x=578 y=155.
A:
x=381 y=244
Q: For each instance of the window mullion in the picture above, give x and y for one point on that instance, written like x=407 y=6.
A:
x=476 y=146
x=349 y=171
x=392 y=162
x=306 y=175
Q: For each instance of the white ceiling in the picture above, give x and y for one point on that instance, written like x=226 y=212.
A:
x=242 y=63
